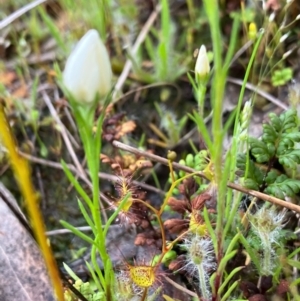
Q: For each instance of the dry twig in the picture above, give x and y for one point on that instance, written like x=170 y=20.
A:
x=234 y=186
x=18 y=13
x=141 y=37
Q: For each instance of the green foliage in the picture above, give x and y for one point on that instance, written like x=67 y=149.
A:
x=53 y=29
x=170 y=124
x=160 y=49
x=255 y=175
x=278 y=140
x=281 y=77
x=87 y=290
x=198 y=162
x=260 y=150
x=283 y=186
x=277 y=146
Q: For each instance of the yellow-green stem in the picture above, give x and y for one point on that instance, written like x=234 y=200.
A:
x=163 y=236
x=174 y=184
x=22 y=174
x=200 y=92
x=171 y=170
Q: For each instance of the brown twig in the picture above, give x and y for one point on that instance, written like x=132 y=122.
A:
x=260 y=92
x=234 y=186
x=102 y=175
x=67 y=231
x=183 y=289
x=63 y=133
x=141 y=37
x=18 y=13
x=69 y=146
x=150 y=86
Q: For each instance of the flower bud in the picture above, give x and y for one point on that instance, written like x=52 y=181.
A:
x=284 y=37
x=202 y=67
x=88 y=70
x=252 y=31
x=272 y=17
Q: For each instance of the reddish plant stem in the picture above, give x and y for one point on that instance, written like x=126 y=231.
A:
x=219 y=273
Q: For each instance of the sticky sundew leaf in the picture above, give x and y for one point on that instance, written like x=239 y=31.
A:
x=142 y=276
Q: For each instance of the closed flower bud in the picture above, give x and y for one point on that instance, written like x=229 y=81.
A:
x=202 y=67
x=88 y=72
x=252 y=31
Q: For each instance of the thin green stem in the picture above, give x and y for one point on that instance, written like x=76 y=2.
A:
x=173 y=185
x=247 y=74
x=200 y=93
x=217 y=93
x=235 y=141
x=218 y=86
x=267 y=256
x=192 y=10
x=202 y=274
x=171 y=170
x=92 y=146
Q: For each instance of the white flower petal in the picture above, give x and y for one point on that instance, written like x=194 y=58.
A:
x=202 y=67
x=88 y=69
